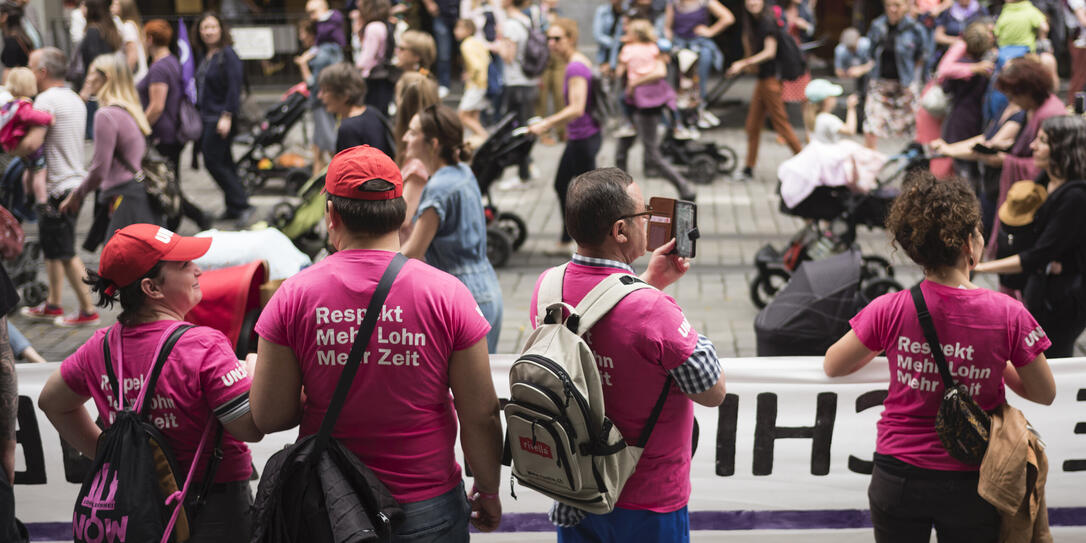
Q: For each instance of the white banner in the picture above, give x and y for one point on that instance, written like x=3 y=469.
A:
x=789 y=450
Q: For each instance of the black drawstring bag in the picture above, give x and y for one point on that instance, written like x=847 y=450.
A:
x=963 y=427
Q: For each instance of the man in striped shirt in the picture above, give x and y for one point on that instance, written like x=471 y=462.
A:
x=641 y=342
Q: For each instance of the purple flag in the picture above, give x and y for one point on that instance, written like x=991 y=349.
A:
x=188 y=63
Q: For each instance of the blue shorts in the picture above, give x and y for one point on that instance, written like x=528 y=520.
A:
x=629 y=525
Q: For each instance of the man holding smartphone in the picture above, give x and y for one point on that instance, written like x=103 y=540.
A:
x=637 y=346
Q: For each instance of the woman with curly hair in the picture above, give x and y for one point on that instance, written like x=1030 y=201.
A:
x=1055 y=292
x=937 y=223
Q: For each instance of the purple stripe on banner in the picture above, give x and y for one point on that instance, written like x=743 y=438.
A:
x=50 y=531
x=829 y=519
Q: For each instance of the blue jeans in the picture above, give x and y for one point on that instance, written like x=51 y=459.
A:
x=630 y=525
x=17 y=340
x=220 y=164
x=438 y=520
x=444 y=39
x=709 y=57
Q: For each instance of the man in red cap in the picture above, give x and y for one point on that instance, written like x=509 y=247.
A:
x=430 y=338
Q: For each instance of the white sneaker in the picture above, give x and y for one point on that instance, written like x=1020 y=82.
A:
x=512 y=183
x=713 y=120
x=682 y=133
x=703 y=123
x=442 y=92
x=625 y=131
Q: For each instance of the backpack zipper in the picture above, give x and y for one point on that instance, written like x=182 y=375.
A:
x=563 y=461
x=570 y=389
x=566 y=423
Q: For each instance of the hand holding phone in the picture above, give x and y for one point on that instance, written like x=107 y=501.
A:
x=673 y=219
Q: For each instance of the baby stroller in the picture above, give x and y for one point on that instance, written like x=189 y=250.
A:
x=703 y=159
x=833 y=214
x=23 y=269
x=303 y=222
x=507 y=145
x=265 y=158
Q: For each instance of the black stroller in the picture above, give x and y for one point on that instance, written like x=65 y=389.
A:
x=506 y=146
x=814 y=308
x=23 y=269
x=833 y=214
x=260 y=162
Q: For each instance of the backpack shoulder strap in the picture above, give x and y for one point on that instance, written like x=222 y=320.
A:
x=603 y=298
x=550 y=291
x=164 y=347
x=108 y=361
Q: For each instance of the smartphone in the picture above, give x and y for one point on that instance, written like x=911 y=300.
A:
x=1080 y=100
x=673 y=219
x=984 y=149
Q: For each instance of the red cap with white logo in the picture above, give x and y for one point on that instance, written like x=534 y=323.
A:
x=135 y=249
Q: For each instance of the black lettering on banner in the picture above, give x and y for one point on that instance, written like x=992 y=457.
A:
x=766 y=432
x=726 y=426
x=1080 y=428
x=29 y=437
x=866 y=401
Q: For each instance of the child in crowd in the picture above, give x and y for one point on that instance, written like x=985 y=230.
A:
x=329 y=23
x=1019 y=25
x=637 y=59
x=476 y=57
x=17 y=115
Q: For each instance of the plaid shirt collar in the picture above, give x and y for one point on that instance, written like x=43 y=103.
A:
x=601 y=263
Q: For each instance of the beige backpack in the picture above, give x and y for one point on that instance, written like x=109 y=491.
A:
x=562 y=443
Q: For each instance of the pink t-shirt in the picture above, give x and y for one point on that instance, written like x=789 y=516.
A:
x=643 y=338
x=202 y=377
x=399 y=418
x=979 y=330
x=640 y=59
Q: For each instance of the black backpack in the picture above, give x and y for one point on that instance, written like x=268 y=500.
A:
x=790 y=62
x=317 y=490
x=535 y=53
x=132 y=491
x=386 y=69
x=602 y=101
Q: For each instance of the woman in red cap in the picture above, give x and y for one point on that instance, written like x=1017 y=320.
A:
x=150 y=270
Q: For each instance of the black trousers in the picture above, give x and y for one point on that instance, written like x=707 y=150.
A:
x=579 y=157
x=521 y=100
x=907 y=501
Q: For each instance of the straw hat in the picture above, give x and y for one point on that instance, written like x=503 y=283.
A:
x=1023 y=199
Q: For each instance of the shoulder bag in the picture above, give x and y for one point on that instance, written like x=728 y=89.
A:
x=963 y=427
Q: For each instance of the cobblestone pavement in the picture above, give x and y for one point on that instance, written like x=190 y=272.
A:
x=735 y=220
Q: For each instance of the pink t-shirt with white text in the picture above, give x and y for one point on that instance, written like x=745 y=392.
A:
x=399 y=417
x=643 y=338
x=201 y=378
x=979 y=330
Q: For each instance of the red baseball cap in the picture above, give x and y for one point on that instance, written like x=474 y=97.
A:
x=353 y=167
x=135 y=249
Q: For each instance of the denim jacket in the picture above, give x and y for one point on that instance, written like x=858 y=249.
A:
x=909 y=47
x=601 y=24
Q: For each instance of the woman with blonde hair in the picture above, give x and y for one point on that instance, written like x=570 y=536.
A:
x=414 y=92
x=127 y=16
x=120 y=132
x=416 y=52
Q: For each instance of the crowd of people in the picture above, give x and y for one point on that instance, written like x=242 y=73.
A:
x=397 y=179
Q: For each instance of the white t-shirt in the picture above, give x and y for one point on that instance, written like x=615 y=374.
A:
x=515 y=29
x=63 y=145
x=827 y=128
x=131 y=33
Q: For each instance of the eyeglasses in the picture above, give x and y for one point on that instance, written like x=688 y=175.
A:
x=648 y=212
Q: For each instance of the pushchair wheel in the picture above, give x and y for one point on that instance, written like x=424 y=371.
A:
x=766 y=285
x=701 y=170
x=514 y=227
x=296 y=179
x=727 y=161
x=875 y=266
x=35 y=293
x=281 y=214
x=498 y=247
x=877 y=287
